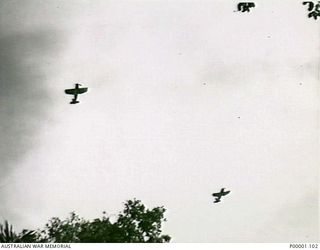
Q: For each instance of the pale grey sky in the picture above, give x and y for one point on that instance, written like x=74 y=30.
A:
x=185 y=97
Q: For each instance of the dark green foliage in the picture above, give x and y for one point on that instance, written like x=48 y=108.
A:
x=134 y=224
x=28 y=236
x=140 y=224
x=7 y=234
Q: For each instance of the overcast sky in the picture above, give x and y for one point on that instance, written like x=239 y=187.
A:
x=185 y=97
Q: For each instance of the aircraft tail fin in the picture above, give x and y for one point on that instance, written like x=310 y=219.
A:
x=74 y=102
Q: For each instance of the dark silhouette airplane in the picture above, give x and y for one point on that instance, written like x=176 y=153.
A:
x=245 y=6
x=75 y=92
x=219 y=195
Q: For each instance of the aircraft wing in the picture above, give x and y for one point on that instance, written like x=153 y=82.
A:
x=70 y=91
x=225 y=193
x=216 y=194
x=82 y=90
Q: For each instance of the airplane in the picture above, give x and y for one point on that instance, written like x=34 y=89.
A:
x=219 y=195
x=245 y=6
x=75 y=92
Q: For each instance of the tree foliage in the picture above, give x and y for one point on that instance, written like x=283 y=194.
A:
x=7 y=234
x=135 y=224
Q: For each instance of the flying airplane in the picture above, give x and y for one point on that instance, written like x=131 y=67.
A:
x=219 y=195
x=245 y=6
x=75 y=92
